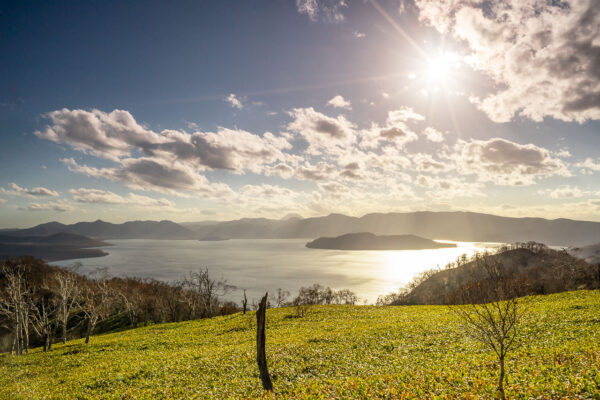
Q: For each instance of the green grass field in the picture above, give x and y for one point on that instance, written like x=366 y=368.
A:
x=334 y=352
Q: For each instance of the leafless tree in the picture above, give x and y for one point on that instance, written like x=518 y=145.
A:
x=14 y=305
x=282 y=296
x=245 y=302
x=67 y=295
x=96 y=300
x=43 y=314
x=205 y=291
x=490 y=311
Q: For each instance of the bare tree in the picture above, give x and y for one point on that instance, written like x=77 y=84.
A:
x=96 y=296
x=43 y=313
x=490 y=311
x=282 y=296
x=67 y=294
x=14 y=305
x=205 y=291
x=245 y=302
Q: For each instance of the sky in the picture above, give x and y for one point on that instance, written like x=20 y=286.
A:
x=219 y=110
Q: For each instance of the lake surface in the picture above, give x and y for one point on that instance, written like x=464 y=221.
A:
x=260 y=265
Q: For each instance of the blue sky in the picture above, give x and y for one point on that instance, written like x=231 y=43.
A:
x=227 y=109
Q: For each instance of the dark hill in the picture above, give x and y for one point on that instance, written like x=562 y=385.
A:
x=58 y=246
x=536 y=269
x=369 y=241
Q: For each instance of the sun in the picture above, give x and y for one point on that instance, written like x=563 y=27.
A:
x=441 y=67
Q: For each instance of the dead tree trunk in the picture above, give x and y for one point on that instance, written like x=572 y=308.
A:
x=261 y=357
x=88 y=331
x=245 y=301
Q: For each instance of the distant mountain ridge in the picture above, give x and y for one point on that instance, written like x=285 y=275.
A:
x=458 y=226
x=106 y=230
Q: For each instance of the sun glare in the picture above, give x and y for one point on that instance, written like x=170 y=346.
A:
x=441 y=68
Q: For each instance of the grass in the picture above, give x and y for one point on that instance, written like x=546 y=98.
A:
x=334 y=352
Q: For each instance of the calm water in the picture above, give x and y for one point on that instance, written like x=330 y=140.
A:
x=261 y=265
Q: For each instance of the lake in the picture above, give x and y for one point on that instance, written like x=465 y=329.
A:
x=260 y=265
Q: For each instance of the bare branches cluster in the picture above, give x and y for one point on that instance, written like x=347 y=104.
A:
x=40 y=303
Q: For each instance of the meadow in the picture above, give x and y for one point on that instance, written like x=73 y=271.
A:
x=333 y=352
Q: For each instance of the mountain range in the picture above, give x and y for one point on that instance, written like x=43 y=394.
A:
x=459 y=226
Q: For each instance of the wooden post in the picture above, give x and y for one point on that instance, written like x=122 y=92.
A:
x=261 y=357
x=245 y=302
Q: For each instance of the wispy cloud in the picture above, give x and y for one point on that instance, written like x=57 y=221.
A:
x=234 y=101
x=339 y=102
x=31 y=192
x=327 y=10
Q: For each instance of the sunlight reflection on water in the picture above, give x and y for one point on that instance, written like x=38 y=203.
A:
x=261 y=265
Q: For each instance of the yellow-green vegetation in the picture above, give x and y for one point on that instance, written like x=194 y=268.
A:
x=333 y=352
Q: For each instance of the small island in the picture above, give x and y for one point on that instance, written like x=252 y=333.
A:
x=369 y=241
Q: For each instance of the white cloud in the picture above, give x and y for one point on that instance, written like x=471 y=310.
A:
x=234 y=101
x=404 y=114
x=542 y=55
x=2 y=201
x=506 y=163
x=59 y=206
x=339 y=102
x=322 y=133
x=589 y=164
x=170 y=154
x=566 y=192
x=32 y=192
x=359 y=35
x=83 y=195
x=327 y=10
x=424 y=162
x=395 y=131
x=445 y=188
x=433 y=135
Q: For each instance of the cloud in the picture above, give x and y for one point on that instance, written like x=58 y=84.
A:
x=333 y=187
x=359 y=35
x=234 y=101
x=155 y=174
x=395 y=130
x=322 y=133
x=566 y=192
x=339 y=102
x=506 y=163
x=2 y=201
x=327 y=10
x=320 y=171
x=426 y=163
x=404 y=114
x=108 y=135
x=543 y=56
x=83 y=195
x=175 y=157
x=33 y=192
x=444 y=188
x=59 y=206
x=589 y=164
x=433 y=135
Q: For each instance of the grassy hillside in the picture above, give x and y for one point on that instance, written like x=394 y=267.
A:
x=332 y=352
